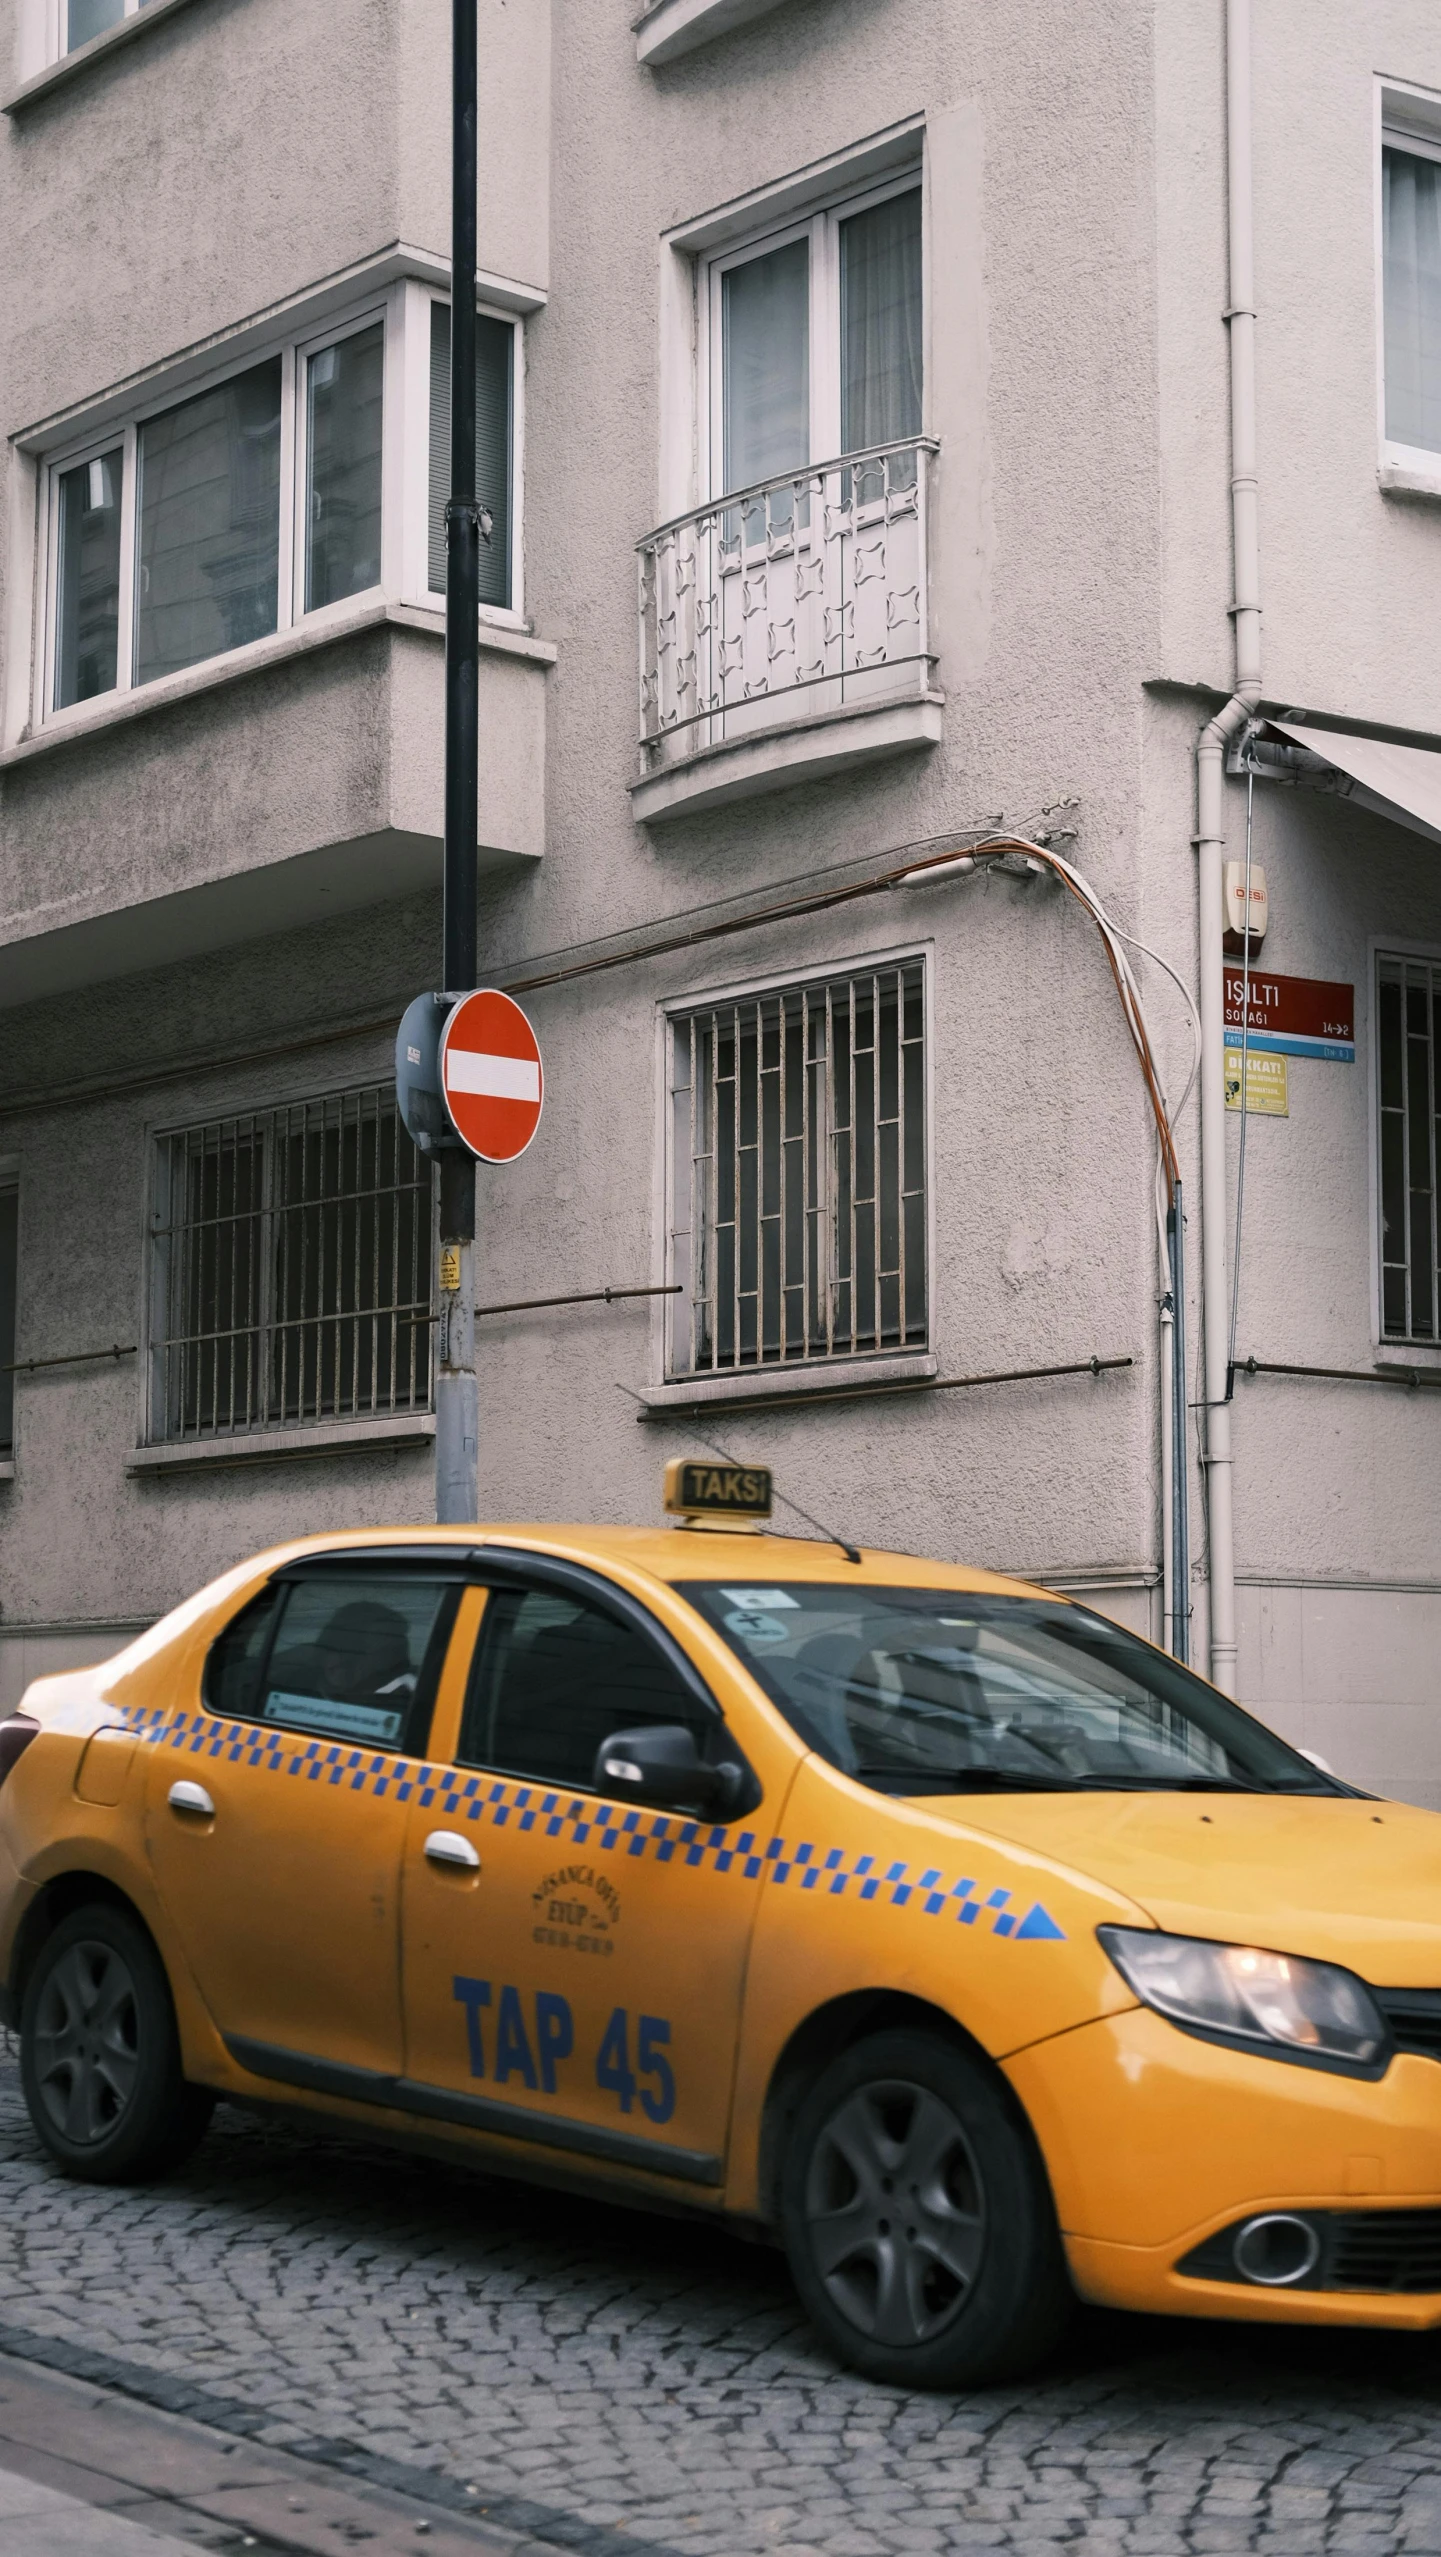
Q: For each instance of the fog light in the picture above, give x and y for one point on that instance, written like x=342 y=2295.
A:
x=1276 y=2249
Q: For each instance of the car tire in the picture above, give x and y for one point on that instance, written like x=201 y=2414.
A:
x=100 y=2054
x=918 y=2220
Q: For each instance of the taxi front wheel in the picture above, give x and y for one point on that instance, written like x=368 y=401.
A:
x=917 y=2218
x=100 y=2055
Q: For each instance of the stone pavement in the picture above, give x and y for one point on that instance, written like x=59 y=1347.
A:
x=603 y=2381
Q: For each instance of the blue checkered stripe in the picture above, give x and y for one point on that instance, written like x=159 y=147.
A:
x=580 y=1821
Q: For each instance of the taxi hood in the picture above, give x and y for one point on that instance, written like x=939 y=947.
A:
x=1354 y=1882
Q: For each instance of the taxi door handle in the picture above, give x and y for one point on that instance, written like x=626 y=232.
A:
x=188 y=1797
x=446 y=1846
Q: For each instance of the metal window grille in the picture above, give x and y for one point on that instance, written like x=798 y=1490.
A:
x=799 y=1161
x=291 y=1270
x=1408 y=1010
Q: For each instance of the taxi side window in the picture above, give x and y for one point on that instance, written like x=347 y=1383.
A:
x=341 y=1655
x=553 y=1677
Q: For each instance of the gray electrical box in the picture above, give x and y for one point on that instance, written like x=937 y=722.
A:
x=418 y=1093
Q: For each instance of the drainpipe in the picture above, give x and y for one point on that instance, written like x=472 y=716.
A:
x=1210 y=840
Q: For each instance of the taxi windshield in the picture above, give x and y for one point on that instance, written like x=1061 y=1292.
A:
x=937 y=1691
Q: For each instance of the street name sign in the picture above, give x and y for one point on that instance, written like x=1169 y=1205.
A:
x=1292 y=1016
x=491 y=1076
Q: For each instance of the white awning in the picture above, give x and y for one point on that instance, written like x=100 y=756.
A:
x=1400 y=782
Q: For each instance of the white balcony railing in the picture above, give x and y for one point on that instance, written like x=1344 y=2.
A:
x=795 y=600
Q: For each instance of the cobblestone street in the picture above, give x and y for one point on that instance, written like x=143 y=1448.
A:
x=597 y=2378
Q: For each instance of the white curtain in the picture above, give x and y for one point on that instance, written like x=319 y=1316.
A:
x=881 y=323
x=1411 y=217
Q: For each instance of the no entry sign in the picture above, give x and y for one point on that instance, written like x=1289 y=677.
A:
x=490 y=1074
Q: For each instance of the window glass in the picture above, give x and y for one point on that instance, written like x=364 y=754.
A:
x=553 y=1678
x=918 y=1691
x=292 y=1269
x=209 y=524
x=1411 y=251
x=494 y=439
x=345 y=390
x=9 y=1206
x=355 y=1656
x=765 y=337
x=236 y=1659
x=87 y=18
x=1408 y=1010
x=881 y=323
x=799 y=1160
x=88 y=604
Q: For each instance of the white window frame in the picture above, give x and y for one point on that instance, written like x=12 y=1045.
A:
x=672 y=1314
x=415 y=583
x=57 y=13
x=403 y=308
x=1407 y=119
x=822 y=228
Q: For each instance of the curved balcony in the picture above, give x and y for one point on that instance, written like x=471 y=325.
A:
x=784 y=631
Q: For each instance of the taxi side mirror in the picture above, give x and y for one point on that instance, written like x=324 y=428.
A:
x=662 y=1765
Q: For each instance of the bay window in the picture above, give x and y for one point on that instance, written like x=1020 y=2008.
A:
x=290 y=485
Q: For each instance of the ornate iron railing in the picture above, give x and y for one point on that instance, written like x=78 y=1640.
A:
x=795 y=599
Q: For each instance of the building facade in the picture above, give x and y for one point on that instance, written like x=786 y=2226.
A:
x=857 y=420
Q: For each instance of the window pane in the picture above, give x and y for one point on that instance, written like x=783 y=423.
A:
x=800 y=1206
x=209 y=524
x=293 y=1269
x=765 y=333
x=355 y=1656
x=87 y=18
x=1408 y=1011
x=346 y=385
x=881 y=324
x=9 y=1208
x=495 y=349
x=1411 y=227
x=553 y=1679
x=87 y=619
x=232 y=1669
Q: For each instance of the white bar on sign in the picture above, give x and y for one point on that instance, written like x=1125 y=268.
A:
x=495 y=1078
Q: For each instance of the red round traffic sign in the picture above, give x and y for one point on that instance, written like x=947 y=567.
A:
x=490 y=1074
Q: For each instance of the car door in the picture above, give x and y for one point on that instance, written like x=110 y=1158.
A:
x=573 y=1968
x=276 y=1814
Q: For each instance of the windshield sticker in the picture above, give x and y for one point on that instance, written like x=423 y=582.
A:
x=750 y=1627
x=767 y=1598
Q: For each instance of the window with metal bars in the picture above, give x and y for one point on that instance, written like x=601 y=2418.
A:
x=798 y=1207
x=1408 y=1019
x=290 y=1271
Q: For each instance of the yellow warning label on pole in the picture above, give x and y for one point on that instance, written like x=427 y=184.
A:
x=1266 y=1093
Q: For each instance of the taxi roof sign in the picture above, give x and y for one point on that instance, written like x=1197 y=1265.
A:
x=709 y=1490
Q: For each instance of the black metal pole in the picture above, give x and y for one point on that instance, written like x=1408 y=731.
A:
x=456 y=1409
x=462 y=598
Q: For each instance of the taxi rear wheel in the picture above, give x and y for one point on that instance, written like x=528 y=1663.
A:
x=100 y=2054
x=917 y=2218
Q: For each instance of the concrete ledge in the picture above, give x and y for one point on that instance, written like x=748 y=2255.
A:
x=261 y=1447
x=689 y=1393
x=1395 y=482
x=672 y=27
x=114 y=710
x=71 y=64
x=778 y=758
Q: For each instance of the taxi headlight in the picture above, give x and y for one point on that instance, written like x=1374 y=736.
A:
x=1305 y=2008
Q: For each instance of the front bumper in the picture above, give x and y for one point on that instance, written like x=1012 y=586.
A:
x=1156 y=2142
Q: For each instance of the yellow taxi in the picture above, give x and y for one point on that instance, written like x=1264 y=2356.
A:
x=933 y=1925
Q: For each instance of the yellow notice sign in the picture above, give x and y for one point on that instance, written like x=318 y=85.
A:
x=1266 y=1096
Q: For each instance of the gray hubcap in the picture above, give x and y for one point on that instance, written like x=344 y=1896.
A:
x=87 y=2042
x=895 y=2213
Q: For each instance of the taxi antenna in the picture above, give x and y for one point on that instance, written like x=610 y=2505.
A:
x=826 y=1534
